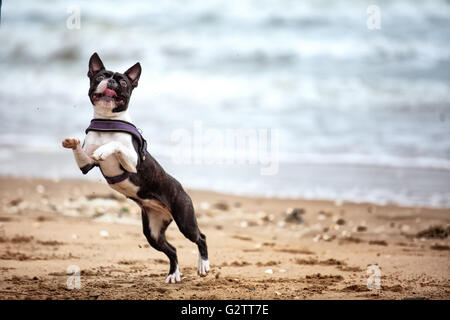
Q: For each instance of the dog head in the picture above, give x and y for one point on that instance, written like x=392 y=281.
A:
x=111 y=91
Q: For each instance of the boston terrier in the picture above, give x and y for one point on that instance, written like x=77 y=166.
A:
x=115 y=145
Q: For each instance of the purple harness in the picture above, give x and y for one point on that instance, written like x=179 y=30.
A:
x=105 y=125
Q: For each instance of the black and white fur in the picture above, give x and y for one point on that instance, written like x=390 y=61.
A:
x=161 y=197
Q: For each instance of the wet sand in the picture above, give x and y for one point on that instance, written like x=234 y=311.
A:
x=259 y=248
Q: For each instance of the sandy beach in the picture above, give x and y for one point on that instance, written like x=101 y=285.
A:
x=259 y=248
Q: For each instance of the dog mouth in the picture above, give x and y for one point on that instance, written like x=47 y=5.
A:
x=108 y=95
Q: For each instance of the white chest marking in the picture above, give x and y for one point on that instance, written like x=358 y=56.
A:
x=117 y=150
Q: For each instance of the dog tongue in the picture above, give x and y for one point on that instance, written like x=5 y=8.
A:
x=109 y=93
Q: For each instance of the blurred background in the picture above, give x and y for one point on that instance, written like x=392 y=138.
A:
x=363 y=115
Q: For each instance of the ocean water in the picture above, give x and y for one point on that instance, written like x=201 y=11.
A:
x=361 y=115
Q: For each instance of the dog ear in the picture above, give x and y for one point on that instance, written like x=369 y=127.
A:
x=133 y=74
x=95 y=65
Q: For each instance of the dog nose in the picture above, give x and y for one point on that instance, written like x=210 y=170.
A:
x=112 y=84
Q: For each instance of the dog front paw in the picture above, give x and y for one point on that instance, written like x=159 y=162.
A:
x=104 y=151
x=71 y=143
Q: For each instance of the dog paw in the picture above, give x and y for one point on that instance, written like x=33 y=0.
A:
x=70 y=143
x=104 y=152
x=203 y=267
x=174 y=277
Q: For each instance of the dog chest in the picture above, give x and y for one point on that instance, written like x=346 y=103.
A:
x=97 y=139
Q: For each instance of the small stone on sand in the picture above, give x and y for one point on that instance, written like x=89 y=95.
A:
x=244 y=224
x=40 y=189
x=104 y=234
x=204 y=205
x=222 y=206
x=294 y=215
x=361 y=228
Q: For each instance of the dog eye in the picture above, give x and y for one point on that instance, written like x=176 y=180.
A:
x=100 y=78
x=123 y=83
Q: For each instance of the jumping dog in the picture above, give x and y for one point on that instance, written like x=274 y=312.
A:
x=114 y=144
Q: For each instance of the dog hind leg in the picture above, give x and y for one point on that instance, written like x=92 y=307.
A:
x=154 y=227
x=186 y=221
